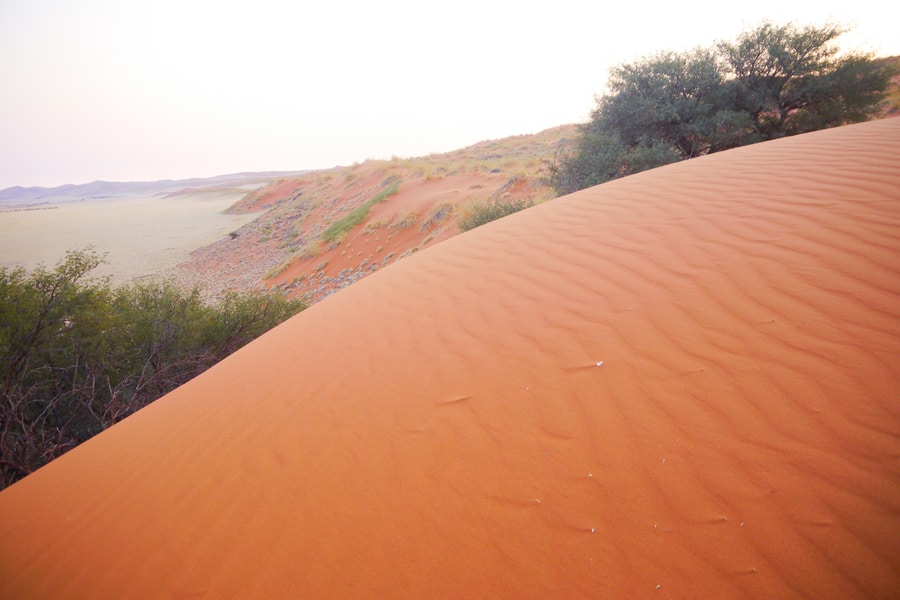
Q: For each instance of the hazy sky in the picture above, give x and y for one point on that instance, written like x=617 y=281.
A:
x=141 y=90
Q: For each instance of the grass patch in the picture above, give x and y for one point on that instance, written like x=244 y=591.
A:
x=277 y=270
x=477 y=214
x=337 y=230
x=438 y=214
x=287 y=241
x=311 y=249
x=405 y=220
x=392 y=185
x=373 y=226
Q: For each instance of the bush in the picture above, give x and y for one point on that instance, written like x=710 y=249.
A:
x=479 y=214
x=77 y=356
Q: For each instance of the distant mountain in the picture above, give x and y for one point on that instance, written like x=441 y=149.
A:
x=111 y=189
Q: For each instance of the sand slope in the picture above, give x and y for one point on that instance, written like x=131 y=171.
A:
x=284 y=246
x=419 y=215
x=445 y=427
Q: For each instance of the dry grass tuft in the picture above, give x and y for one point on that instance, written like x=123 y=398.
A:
x=405 y=220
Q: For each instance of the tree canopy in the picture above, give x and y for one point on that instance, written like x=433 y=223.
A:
x=772 y=81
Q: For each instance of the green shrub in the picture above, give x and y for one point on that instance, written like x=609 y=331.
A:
x=77 y=356
x=479 y=214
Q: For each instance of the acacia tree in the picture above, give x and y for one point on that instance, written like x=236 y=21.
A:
x=771 y=82
x=791 y=80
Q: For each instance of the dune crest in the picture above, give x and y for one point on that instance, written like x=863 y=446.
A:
x=678 y=384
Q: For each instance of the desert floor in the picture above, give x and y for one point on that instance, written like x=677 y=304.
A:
x=143 y=236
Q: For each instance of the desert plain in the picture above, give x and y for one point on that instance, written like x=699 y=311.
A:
x=142 y=235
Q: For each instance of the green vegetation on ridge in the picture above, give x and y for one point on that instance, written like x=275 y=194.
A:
x=773 y=81
x=479 y=214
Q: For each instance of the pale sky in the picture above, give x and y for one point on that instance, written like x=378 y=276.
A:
x=125 y=90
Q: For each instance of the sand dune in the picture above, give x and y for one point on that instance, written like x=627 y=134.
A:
x=681 y=384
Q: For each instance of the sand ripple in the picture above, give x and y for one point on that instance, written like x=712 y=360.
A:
x=679 y=384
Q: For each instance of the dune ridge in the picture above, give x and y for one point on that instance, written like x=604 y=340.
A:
x=678 y=384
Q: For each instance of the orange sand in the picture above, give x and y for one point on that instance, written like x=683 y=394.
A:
x=445 y=428
x=383 y=238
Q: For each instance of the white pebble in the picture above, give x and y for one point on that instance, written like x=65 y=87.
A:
x=600 y=363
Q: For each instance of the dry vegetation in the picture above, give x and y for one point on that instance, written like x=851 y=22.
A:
x=315 y=217
x=892 y=102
